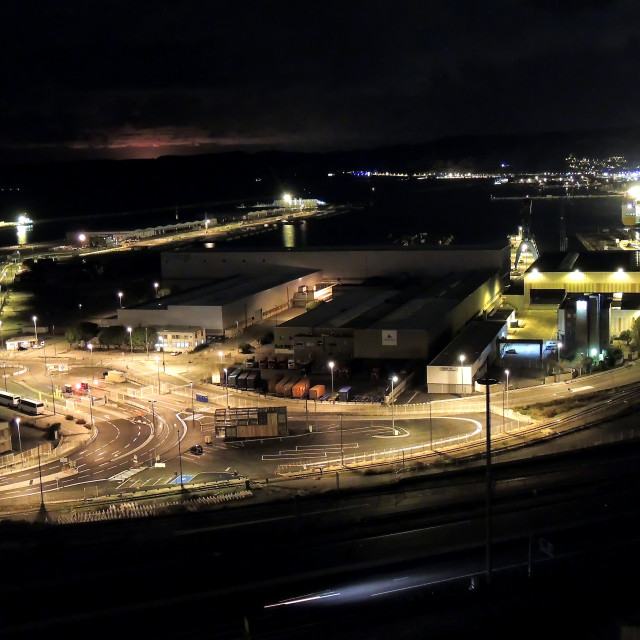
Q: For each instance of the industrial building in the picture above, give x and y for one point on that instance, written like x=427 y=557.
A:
x=595 y=293
x=339 y=264
x=466 y=358
x=225 y=306
x=406 y=318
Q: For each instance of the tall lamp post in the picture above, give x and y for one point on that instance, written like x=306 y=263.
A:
x=331 y=365
x=462 y=358
x=394 y=379
x=120 y=298
x=220 y=354
x=155 y=435
x=4 y=374
x=193 y=412
x=506 y=371
x=130 y=330
x=487 y=383
x=226 y=384
x=158 y=363
x=35 y=327
x=53 y=395
x=155 y=286
x=19 y=438
x=90 y=347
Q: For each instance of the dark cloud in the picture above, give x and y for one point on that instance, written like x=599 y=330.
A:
x=111 y=74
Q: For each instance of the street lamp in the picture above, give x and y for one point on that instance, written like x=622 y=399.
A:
x=193 y=412
x=487 y=383
x=155 y=436
x=90 y=347
x=53 y=395
x=462 y=358
x=220 y=354
x=226 y=384
x=130 y=330
x=19 y=438
x=4 y=367
x=120 y=296
x=35 y=327
x=507 y=389
x=560 y=345
x=158 y=363
x=331 y=365
x=155 y=286
x=91 y=407
x=394 y=379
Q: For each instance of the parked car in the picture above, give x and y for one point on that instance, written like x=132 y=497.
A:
x=197 y=449
x=511 y=351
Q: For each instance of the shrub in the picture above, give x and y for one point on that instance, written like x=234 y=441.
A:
x=81 y=421
x=68 y=417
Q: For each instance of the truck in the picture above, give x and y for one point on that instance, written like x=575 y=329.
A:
x=287 y=389
x=343 y=394
x=253 y=379
x=281 y=384
x=241 y=380
x=317 y=391
x=300 y=388
x=271 y=385
x=233 y=377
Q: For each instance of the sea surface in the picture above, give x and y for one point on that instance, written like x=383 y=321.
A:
x=385 y=210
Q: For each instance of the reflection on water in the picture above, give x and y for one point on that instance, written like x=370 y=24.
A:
x=289 y=235
x=21 y=232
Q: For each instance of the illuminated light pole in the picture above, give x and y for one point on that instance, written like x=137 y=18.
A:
x=193 y=412
x=507 y=394
x=155 y=435
x=158 y=363
x=331 y=365
x=53 y=395
x=91 y=407
x=487 y=383
x=90 y=347
x=35 y=327
x=1 y=337
x=560 y=345
x=226 y=384
x=155 y=286
x=130 y=330
x=220 y=354
x=19 y=438
x=462 y=358
x=4 y=367
x=394 y=379
x=120 y=296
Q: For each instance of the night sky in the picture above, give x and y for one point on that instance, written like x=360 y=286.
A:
x=130 y=79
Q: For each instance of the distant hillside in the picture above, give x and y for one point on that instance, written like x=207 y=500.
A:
x=100 y=185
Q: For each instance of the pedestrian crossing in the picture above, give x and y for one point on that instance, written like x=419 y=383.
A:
x=125 y=475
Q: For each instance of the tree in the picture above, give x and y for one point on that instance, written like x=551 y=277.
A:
x=72 y=335
x=110 y=336
x=626 y=336
x=635 y=331
x=143 y=337
x=88 y=330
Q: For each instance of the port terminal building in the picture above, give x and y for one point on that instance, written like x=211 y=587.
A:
x=596 y=293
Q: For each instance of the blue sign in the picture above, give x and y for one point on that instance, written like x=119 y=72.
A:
x=201 y=398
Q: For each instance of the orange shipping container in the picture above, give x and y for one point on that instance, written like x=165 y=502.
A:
x=300 y=388
x=317 y=391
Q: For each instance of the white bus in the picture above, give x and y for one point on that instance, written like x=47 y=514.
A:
x=9 y=399
x=32 y=407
